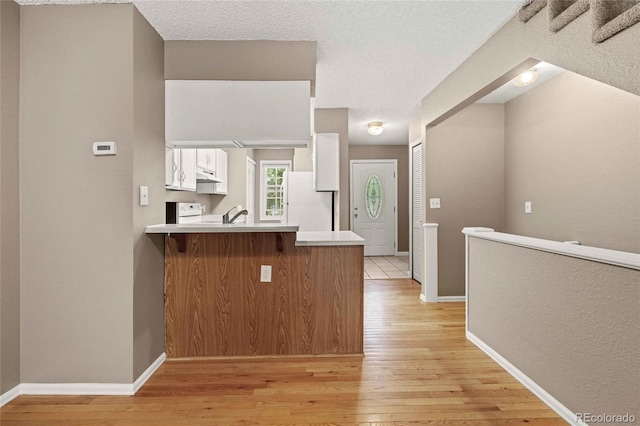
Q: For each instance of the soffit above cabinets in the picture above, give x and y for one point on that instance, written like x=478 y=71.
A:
x=250 y=114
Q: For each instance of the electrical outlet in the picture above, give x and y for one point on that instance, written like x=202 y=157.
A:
x=434 y=203
x=265 y=273
x=527 y=207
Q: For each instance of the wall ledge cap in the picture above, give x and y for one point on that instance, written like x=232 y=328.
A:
x=594 y=254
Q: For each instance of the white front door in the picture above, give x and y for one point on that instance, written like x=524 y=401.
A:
x=373 y=205
x=251 y=189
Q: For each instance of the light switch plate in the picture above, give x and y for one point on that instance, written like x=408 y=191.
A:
x=265 y=273
x=434 y=203
x=527 y=207
x=144 y=195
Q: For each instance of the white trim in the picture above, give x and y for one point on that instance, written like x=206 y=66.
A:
x=395 y=192
x=595 y=254
x=149 y=372
x=402 y=253
x=252 y=214
x=445 y=299
x=263 y=192
x=86 y=388
x=10 y=395
x=429 y=292
x=411 y=146
x=76 y=389
x=569 y=416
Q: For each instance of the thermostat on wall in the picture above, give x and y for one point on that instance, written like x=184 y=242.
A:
x=104 y=148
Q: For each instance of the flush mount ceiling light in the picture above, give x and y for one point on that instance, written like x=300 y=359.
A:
x=375 y=128
x=526 y=78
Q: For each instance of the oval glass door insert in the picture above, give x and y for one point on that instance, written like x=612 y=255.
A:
x=373 y=197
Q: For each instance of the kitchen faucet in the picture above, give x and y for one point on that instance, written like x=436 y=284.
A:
x=225 y=217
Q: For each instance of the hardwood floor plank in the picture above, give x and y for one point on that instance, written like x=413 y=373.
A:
x=418 y=369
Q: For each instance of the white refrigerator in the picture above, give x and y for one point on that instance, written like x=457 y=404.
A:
x=312 y=210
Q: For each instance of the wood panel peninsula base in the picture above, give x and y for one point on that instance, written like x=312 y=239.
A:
x=216 y=305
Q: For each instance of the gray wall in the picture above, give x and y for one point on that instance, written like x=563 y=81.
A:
x=400 y=153
x=572 y=147
x=569 y=324
x=76 y=211
x=464 y=167
x=613 y=62
x=9 y=196
x=241 y=60
x=336 y=120
x=415 y=130
x=148 y=170
x=236 y=181
x=236 y=60
x=91 y=290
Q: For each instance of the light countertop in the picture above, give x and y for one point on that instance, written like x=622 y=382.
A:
x=210 y=227
x=328 y=238
x=306 y=238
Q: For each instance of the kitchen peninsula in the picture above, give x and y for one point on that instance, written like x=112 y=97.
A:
x=217 y=303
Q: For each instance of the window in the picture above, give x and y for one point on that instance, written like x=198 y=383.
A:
x=272 y=189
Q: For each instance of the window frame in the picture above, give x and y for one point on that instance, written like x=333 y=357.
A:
x=264 y=165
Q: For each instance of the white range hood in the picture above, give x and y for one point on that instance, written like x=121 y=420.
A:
x=243 y=114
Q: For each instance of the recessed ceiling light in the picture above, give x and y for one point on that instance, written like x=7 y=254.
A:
x=526 y=78
x=375 y=128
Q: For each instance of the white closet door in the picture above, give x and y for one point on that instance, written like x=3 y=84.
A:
x=416 y=205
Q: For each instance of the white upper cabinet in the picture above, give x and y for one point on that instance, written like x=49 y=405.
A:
x=172 y=167
x=188 y=169
x=206 y=113
x=180 y=169
x=220 y=174
x=206 y=159
x=221 y=171
x=326 y=162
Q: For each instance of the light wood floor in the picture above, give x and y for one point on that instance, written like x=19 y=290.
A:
x=418 y=369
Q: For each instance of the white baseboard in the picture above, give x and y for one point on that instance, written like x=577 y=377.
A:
x=402 y=253
x=76 y=389
x=538 y=391
x=148 y=372
x=9 y=395
x=423 y=298
x=452 y=299
x=84 y=388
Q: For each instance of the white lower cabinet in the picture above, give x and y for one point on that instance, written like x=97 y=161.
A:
x=180 y=169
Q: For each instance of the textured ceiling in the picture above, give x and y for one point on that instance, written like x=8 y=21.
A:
x=377 y=58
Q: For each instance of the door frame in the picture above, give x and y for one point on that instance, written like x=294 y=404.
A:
x=251 y=162
x=395 y=193
x=411 y=146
